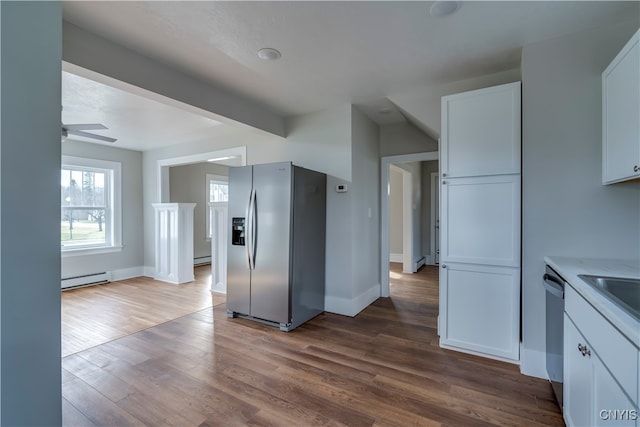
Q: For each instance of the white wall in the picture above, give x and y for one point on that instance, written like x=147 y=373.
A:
x=427 y=169
x=129 y=261
x=395 y=211
x=30 y=65
x=188 y=184
x=566 y=210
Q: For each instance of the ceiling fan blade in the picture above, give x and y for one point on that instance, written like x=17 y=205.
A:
x=91 y=135
x=84 y=126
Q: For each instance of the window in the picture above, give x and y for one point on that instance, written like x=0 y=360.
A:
x=217 y=192
x=90 y=206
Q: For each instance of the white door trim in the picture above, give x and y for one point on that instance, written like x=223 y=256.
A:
x=434 y=215
x=385 y=163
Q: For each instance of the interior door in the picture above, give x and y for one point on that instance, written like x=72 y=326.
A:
x=270 y=276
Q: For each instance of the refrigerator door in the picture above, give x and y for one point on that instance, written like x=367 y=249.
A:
x=271 y=217
x=238 y=273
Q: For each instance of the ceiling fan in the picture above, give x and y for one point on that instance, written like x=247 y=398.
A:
x=79 y=129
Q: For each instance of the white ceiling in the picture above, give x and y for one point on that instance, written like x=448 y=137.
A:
x=332 y=52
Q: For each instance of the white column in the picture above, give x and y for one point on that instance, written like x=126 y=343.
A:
x=174 y=242
x=219 y=224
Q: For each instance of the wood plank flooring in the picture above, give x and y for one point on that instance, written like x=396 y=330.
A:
x=380 y=368
x=97 y=314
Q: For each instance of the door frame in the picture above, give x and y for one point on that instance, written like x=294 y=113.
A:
x=385 y=163
x=163 y=166
x=435 y=215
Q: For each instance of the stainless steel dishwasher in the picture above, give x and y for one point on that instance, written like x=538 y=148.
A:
x=554 y=285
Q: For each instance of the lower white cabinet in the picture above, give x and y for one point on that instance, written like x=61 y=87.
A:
x=600 y=369
x=480 y=309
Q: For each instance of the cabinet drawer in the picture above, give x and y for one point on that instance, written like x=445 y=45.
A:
x=618 y=354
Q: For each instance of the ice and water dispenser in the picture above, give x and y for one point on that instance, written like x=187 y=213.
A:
x=237 y=232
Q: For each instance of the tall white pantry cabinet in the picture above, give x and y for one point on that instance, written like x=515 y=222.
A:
x=480 y=164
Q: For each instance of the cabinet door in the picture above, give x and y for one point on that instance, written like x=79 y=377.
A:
x=479 y=309
x=578 y=378
x=481 y=132
x=480 y=223
x=621 y=115
x=611 y=405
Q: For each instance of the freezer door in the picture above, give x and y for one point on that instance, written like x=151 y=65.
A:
x=270 y=298
x=238 y=273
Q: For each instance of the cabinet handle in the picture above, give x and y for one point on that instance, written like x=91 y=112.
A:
x=444 y=174
x=444 y=182
x=636 y=168
x=584 y=350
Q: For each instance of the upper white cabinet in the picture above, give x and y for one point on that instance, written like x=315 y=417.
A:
x=481 y=132
x=480 y=222
x=621 y=115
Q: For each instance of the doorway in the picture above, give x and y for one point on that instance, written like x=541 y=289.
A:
x=386 y=163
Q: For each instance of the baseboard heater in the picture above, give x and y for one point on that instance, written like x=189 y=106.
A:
x=85 y=280
x=203 y=260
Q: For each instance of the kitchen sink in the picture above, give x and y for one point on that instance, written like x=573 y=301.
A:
x=622 y=291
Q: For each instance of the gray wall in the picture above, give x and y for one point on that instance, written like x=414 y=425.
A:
x=566 y=210
x=188 y=184
x=404 y=138
x=132 y=254
x=365 y=237
x=427 y=169
x=31 y=54
x=395 y=211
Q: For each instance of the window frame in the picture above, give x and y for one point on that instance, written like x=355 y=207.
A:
x=113 y=211
x=211 y=178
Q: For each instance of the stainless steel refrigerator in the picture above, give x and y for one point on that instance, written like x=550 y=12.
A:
x=276 y=250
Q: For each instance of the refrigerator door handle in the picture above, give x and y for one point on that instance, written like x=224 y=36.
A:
x=247 y=232
x=254 y=234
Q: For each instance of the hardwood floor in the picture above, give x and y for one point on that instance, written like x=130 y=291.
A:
x=382 y=367
x=98 y=314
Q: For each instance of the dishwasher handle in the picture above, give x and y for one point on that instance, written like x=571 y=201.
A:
x=554 y=285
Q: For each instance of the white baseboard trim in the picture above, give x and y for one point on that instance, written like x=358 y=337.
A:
x=430 y=260
x=533 y=363
x=127 y=273
x=149 y=271
x=353 y=306
x=395 y=257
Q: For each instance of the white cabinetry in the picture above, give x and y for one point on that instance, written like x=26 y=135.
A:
x=480 y=222
x=600 y=369
x=621 y=115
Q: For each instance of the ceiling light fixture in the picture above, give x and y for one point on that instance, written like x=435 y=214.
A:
x=219 y=159
x=269 y=54
x=442 y=8
x=384 y=110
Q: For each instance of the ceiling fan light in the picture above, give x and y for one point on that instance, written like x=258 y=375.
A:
x=441 y=8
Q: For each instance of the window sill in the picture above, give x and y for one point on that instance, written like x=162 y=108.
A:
x=90 y=251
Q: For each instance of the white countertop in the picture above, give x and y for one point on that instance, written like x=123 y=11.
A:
x=569 y=268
